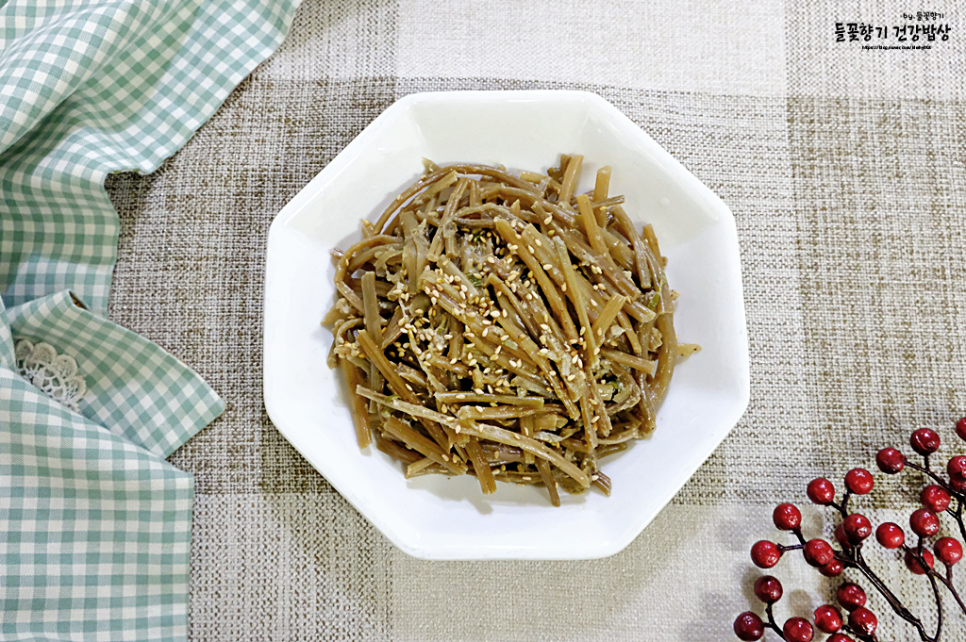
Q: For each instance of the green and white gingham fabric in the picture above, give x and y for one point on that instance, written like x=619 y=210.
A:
x=95 y=525
x=90 y=88
x=134 y=388
x=94 y=530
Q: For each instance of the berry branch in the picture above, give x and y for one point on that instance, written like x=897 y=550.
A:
x=851 y=534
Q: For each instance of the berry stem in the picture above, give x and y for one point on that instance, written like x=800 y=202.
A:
x=771 y=622
x=844 y=508
x=936 y=478
x=948 y=583
x=939 y=602
x=890 y=597
x=958 y=516
x=859 y=635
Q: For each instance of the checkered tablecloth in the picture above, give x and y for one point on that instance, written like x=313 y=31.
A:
x=95 y=525
x=845 y=169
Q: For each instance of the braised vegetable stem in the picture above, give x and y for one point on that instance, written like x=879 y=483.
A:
x=504 y=327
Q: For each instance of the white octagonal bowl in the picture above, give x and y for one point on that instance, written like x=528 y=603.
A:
x=436 y=517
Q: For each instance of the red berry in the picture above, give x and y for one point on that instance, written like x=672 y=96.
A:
x=924 y=523
x=818 y=552
x=859 y=481
x=850 y=596
x=768 y=589
x=798 y=629
x=841 y=537
x=957 y=483
x=828 y=619
x=863 y=620
x=961 y=428
x=890 y=535
x=948 y=550
x=839 y=637
x=786 y=517
x=924 y=441
x=749 y=627
x=935 y=498
x=913 y=564
x=857 y=528
x=890 y=461
x=765 y=554
x=821 y=491
x=832 y=569
x=957 y=467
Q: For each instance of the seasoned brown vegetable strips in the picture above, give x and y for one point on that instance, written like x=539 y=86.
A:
x=501 y=326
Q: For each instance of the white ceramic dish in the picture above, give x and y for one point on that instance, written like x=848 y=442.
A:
x=435 y=517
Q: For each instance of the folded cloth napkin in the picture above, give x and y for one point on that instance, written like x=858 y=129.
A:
x=94 y=524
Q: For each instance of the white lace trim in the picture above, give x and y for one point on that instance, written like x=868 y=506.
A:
x=55 y=374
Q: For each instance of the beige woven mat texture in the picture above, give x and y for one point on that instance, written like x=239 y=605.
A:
x=844 y=168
